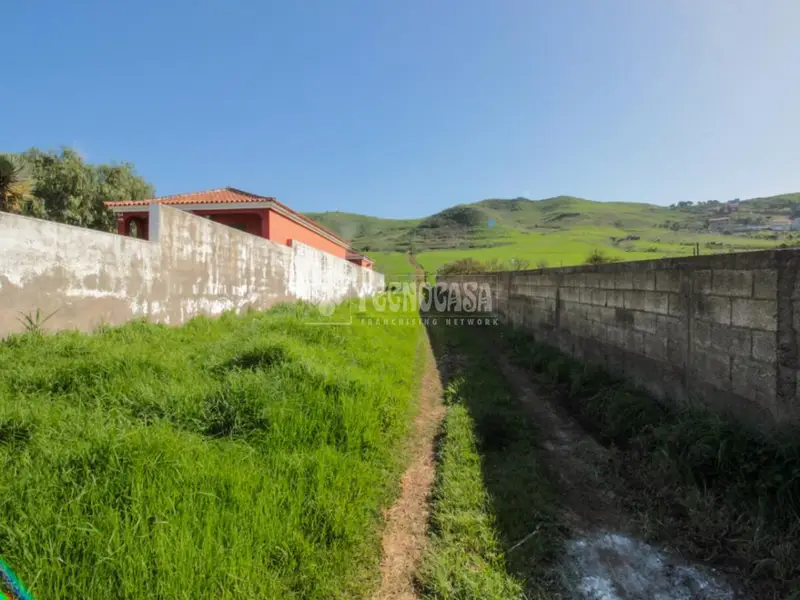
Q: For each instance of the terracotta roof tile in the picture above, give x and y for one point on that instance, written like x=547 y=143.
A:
x=227 y=195
x=221 y=196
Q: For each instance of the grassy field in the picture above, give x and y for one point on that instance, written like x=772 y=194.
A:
x=492 y=489
x=572 y=247
x=244 y=457
x=557 y=231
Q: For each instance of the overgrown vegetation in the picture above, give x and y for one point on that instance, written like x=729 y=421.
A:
x=470 y=265
x=61 y=186
x=726 y=494
x=598 y=257
x=494 y=524
x=243 y=457
x=465 y=266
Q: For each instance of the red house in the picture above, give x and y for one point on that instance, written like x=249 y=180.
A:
x=263 y=216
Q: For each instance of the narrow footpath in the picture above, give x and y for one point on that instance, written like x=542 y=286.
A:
x=406 y=529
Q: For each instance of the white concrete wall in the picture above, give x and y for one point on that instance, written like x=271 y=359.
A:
x=190 y=266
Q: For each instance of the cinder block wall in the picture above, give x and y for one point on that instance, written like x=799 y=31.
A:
x=190 y=266
x=720 y=330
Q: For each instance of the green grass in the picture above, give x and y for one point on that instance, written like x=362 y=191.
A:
x=243 y=457
x=559 y=231
x=719 y=491
x=393 y=264
x=491 y=490
x=495 y=222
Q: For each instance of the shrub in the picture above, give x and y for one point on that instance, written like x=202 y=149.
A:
x=598 y=257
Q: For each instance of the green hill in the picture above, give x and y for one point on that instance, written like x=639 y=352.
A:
x=564 y=230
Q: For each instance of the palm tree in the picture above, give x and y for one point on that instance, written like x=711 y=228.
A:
x=15 y=183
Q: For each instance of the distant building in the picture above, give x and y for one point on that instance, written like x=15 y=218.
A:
x=795 y=226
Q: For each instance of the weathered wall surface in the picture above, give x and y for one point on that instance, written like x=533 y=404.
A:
x=190 y=266
x=721 y=330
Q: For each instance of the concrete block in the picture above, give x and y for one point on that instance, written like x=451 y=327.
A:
x=598 y=297
x=668 y=280
x=737 y=342
x=606 y=281
x=677 y=351
x=657 y=302
x=655 y=346
x=543 y=279
x=796 y=315
x=623 y=281
x=544 y=291
x=755 y=314
x=644 y=321
x=615 y=298
x=644 y=280
x=634 y=300
x=729 y=282
x=754 y=380
x=598 y=331
x=634 y=341
x=722 y=338
x=576 y=280
x=765 y=283
x=765 y=347
x=713 y=308
x=570 y=294
x=711 y=367
x=586 y=295
x=677 y=305
x=701 y=281
x=624 y=317
x=616 y=335
x=593 y=280
x=671 y=327
x=606 y=314
x=701 y=334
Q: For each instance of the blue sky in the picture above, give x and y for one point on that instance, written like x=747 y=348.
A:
x=400 y=109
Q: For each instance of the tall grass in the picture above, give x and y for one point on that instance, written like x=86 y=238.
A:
x=725 y=493
x=494 y=510
x=242 y=457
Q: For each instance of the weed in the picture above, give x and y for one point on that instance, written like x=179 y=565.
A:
x=33 y=322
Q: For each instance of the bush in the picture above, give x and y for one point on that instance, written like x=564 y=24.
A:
x=598 y=257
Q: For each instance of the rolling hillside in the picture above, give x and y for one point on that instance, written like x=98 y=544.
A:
x=562 y=230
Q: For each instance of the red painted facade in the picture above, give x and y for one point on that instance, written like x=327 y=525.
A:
x=268 y=219
x=282 y=231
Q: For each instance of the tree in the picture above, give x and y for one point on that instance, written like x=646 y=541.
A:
x=15 y=183
x=69 y=190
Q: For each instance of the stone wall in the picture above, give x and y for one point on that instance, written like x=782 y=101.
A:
x=722 y=330
x=190 y=266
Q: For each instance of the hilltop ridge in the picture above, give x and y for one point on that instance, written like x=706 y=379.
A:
x=495 y=221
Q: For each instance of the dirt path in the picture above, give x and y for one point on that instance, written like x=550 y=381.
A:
x=405 y=534
x=413 y=260
x=575 y=457
x=605 y=560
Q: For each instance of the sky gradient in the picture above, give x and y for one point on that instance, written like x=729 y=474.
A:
x=400 y=109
